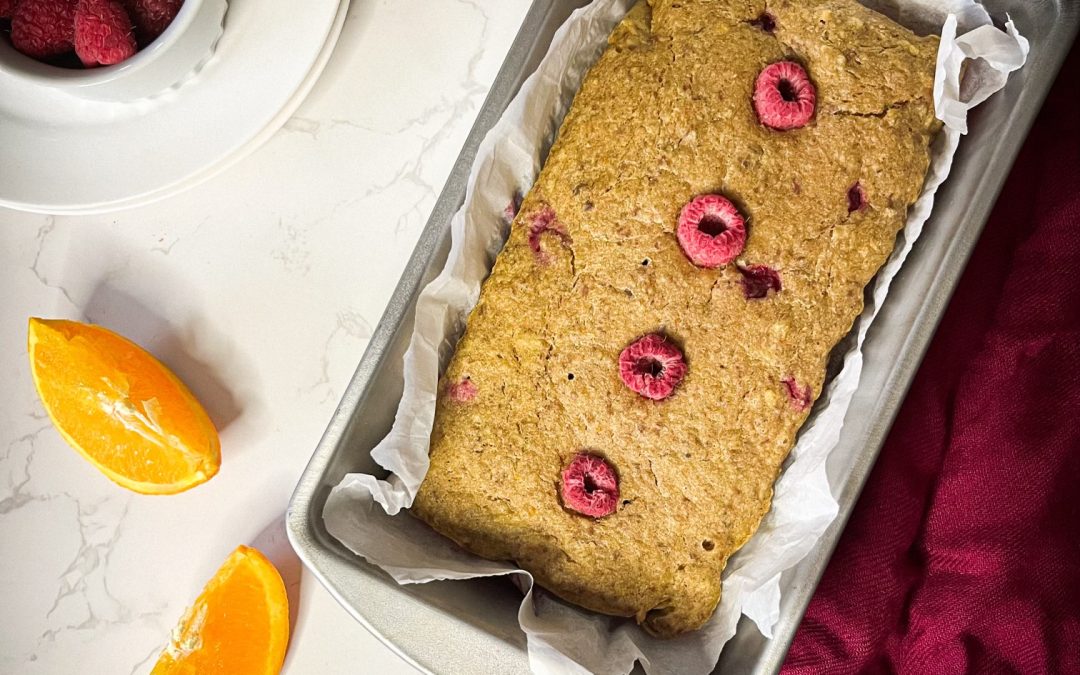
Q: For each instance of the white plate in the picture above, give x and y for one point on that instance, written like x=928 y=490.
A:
x=67 y=155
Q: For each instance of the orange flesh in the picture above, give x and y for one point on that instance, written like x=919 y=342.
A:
x=239 y=624
x=121 y=409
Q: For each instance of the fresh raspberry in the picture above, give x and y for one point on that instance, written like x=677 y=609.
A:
x=151 y=17
x=43 y=28
x=856 y=198
x=765 y=21
x=463 y=391
x=590 y=486
x=652 y=366
x=784 y=96
x=102 y=33
x=544 y=221
x=801 y=397
x=758 y=280
x=6 y=7
x=711 y=231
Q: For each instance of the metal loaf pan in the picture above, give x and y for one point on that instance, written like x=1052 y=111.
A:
x=471 y=627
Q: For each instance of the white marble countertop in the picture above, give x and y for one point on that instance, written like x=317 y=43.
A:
x=260 y=289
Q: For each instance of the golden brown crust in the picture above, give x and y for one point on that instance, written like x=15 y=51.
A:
x=665 y=114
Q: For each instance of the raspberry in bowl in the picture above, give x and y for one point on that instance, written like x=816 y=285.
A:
x=116 y=50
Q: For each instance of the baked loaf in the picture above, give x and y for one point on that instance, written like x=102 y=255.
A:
x=683 y=452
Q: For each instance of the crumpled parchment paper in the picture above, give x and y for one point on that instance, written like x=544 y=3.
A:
x=364 y=512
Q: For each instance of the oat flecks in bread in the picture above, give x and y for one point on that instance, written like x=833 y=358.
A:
x=592 y=263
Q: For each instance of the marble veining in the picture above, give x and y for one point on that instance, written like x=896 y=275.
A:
x=260 y=288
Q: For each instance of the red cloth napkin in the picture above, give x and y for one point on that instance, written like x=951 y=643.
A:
x=963 y=553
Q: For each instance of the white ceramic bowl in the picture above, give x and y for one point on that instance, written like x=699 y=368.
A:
x=174 y=57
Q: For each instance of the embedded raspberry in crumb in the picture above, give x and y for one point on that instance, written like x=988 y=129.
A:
x=543 y=222
x=711 y=231
x=590 y=486
x=784 y=96
x=801 y=397
x=652 y=366
x=856 y=198
x=758 y=280
x=765 y=21
x=463 y=391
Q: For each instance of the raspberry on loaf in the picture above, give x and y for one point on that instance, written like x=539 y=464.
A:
x=719 y=225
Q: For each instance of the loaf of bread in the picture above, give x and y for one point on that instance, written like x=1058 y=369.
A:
x=730 y=176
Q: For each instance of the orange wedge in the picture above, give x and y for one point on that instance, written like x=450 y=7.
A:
x=239 y=624
x=121 y=409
